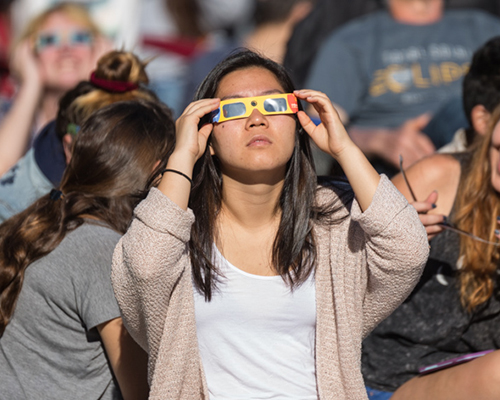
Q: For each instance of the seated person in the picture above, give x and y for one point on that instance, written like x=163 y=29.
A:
x=455 y=309
x=390 y=70
x=481 y=94
x=118 y=77
x=61 y=333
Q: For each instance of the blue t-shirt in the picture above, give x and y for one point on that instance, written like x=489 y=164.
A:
x=382 y=72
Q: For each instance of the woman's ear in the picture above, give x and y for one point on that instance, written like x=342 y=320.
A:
x=156 y=165
x=480 y=118
x=212 y=153
x=67 y=142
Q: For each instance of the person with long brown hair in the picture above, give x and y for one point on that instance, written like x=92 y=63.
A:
x=60 y=327
x=454 y=311
x=266 y=285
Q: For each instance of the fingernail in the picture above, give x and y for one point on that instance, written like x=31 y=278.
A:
x=445 y=218
x=434 y=205
x=498 y=219
x=497 y=232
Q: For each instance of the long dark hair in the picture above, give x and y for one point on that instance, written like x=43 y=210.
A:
x=294 y=253
x=114 y=155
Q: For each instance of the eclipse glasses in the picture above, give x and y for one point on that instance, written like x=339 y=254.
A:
x=46 y=40
x=272 y=104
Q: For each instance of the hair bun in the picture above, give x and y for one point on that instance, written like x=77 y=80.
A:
x=121 y=66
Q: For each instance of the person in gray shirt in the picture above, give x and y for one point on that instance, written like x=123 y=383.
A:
x=61 y=334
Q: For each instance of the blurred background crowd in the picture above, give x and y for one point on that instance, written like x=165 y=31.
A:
x=393 y=68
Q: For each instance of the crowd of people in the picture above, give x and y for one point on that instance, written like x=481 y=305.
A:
x=180 y=220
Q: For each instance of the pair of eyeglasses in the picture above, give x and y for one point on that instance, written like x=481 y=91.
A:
x=47 y=40
x=445 y=224
x=272 y=104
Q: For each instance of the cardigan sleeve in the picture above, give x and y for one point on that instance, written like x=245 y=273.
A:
x=148 y=262
x=396 y=251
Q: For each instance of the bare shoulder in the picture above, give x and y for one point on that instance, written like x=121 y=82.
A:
x=438 y=172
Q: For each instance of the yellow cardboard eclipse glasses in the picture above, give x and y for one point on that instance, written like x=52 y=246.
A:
x=285 y=103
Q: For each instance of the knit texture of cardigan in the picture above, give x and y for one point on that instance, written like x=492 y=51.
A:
x=366 y=266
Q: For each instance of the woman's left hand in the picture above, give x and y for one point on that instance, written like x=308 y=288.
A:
x=330 y=135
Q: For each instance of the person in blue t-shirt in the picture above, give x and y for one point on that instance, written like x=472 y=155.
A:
x=388 y=71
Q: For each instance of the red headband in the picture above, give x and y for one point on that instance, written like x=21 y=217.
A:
x=112 y=86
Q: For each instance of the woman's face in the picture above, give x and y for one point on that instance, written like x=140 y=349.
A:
x=258 y=143
x=495 y=158
x=64 y=52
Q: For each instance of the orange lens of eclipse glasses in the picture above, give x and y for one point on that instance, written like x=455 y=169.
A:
x=285 y=103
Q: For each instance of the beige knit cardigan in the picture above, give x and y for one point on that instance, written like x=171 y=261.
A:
x=366 y=267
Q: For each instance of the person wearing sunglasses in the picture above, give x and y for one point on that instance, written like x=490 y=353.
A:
x=244 y=278
x=119 y=76
x=57 y=49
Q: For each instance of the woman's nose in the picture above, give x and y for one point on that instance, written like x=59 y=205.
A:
x=256 y=118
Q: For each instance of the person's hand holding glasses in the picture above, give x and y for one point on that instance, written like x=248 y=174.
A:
x=434 y=223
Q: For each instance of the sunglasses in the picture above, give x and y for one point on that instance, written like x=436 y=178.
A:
x=445 y=224
x=272 y=104
x=47 y=40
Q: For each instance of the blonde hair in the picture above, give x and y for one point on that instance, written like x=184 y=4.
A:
x=113 y=66
x=74 y=12
x=478 y=205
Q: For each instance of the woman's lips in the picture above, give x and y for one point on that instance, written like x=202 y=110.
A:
x=259 y=140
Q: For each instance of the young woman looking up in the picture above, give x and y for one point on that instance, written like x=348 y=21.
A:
x=61 y=332
x=265 y=286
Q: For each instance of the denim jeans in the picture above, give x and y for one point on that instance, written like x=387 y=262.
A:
x=374 y=394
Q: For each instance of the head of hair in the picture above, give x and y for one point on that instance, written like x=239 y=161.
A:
x=116 y=151
x=478 y=205
x=293 y=252
x=77 y=104
x=481 y=84
x=73 y=11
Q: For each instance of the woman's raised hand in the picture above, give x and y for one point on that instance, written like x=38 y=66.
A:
x=190 y=145
x=191 y=141
x=330 y=135
x=25 y=67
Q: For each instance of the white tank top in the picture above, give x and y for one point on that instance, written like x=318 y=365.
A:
x=256 y=337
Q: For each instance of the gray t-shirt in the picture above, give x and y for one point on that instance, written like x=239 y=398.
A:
x=51 y=348
x=382 y=72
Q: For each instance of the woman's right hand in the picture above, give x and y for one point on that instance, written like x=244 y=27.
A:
x=24 y=65
x=430 y=221
x=190 y=145
x=191 y=142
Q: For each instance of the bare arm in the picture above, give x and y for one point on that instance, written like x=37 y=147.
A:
x=434 y=181
x=16 y=127
x=127 y=359
x=387 y=143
